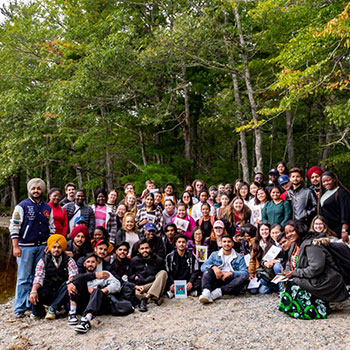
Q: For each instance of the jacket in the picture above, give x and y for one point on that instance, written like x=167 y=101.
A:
x=303 y=203
x=237 y=263
x=144 y=271
x=111 y=220
x=317 y=273
x=120 y=237
x=32 y=223
x=86 y=211
x=111 y=283
x=172 y=267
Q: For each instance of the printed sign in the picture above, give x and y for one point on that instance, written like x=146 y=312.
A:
x=180 y=289
x=201 y=253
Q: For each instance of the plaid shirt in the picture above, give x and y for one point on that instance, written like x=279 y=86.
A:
x=40 y=269
x=142 y=215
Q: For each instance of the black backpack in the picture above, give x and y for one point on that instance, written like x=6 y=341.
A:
x=341 y=255
x=119 y=306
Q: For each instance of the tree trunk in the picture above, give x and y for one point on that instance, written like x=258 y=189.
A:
x=79 y=175
x=271 y=145
x=14 y=192
x=187 y=122
x=48 y=177
x=242 y=134
x=290 y=139
x=327 y=149
x=109 y=173
x=143 y=147
x=250 y=92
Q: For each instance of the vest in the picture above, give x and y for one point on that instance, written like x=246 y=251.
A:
x=55 y=277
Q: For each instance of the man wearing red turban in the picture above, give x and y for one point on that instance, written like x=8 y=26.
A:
x=314 y=176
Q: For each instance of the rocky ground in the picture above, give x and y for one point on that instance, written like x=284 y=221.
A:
x=245 y=322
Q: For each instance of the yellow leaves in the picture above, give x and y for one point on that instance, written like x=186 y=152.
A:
x=250 y=126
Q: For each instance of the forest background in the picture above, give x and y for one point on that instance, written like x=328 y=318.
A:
x=103 y=92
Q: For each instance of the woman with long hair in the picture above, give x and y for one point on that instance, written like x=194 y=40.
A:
x=282 y=168
x=224 y=200
x=214 y=241
x=182 y=215
x=235 y=215
x=276 y=211
x=243 y=192
x=149 y=213
x=261 y=198
x=262 y=243
x=131 y=202
x=129 y=232
x=319 y=227
x=315 y=277
x=59 y=214
x=334 y=204
x=186 y=198
x=206 y=221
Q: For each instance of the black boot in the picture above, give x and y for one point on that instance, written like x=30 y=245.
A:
x=143 y=305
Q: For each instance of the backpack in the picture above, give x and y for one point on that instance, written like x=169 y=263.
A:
x=341 y=255
x=119 y=306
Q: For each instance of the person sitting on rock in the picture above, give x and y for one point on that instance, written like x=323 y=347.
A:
x=149 y=275
x=225 y=272
x=181 y=264
x=53 y=275
x=92 y=290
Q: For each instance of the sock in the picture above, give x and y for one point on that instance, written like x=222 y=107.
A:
x=88 y=317
x=73 y=309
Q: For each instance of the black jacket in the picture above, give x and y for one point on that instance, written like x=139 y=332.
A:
x=157 y=247
x=173 y=267
x=144 y=271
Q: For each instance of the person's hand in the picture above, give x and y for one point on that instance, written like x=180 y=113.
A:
x=72 y=289
x=140 y=289
x=33 y=297
x=251 y=277
x=102 y=275
x=70 y=254
x=143 y=222
x=226 y=275
x=269 y=264
x=17 y=252
x=104 y=290
x=345 y=237
x=189 y=286
x=288 y=274
x=218 y=272
x=172 y=288
x=90 y=290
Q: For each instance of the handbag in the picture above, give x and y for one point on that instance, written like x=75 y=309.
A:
x=267 y=274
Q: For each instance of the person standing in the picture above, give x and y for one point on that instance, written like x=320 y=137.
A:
x=79 y=208
x=314 y=176
x=69 y=190
x=303 y=200
x=30 y=227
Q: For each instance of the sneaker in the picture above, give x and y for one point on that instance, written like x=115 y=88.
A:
x=51 y=314
x=194 y=293
x=205 y=298
x=84 y=326
x=19 y=314
x=72 y=318
x=34 y=317
x=216 y=293
x=170 y=294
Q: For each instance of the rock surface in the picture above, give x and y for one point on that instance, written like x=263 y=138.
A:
x=244 y=322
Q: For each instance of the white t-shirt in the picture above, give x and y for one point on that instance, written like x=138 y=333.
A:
x=226 y=267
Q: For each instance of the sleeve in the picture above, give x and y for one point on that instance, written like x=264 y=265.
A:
x=92 y=223
x=264 y=216
x=242 y=267
x=52 y=226
x=72 y=268
x=159 y=216
x=344 y=206
x=252 y=264
x=316 y=259
x=114 y=285
x=209 y=263
x=16 y=222
x=287 y=213
x=65 y=222
x=168 y=269
x=312 y=204
x=112 y=227
x=39 y=273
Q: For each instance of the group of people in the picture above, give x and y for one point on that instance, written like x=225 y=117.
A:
x=112 y=257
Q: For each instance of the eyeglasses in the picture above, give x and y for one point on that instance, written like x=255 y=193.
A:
x=258 y=178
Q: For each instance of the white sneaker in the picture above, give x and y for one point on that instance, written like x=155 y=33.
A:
x=205 y=298
x=216 y=293
x=170 y=294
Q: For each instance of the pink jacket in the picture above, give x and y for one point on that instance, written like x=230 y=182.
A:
x=191 y=226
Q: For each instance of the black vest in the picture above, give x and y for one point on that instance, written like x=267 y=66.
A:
x=54 y=277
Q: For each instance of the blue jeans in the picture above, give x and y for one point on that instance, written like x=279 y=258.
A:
x=25 y=274
x=268 y=287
